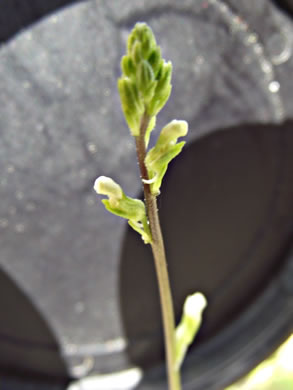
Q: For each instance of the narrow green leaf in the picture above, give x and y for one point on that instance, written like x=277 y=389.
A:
x=155 y=60
x=145 y=78
x=131 y=104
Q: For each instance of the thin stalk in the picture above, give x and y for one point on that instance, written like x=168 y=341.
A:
x=160 y=263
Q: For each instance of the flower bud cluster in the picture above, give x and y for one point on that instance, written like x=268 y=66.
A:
x=145 y=83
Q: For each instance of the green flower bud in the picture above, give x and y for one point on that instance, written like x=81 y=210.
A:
x=158 y=102
x=148 y=41
x=131 y=104
x=145 y=75
x=189 y=324
x=133 y=121
x=150 y=128
x=127 y=66
x=164 y=79
x=131 y=39
x=166 y=148
x=155 y=60
x=146 y=81
x=163 y=89
x=129 y=95
x=137 y=53
x=143 y=34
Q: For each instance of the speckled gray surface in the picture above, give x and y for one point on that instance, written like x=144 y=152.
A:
x=61 y=127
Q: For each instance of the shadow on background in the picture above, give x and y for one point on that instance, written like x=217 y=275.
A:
x=27 y=344
x=17 y=14
x=226 y=210
x=285 y=5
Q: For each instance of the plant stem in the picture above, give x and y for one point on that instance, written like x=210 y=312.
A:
x=160 y=262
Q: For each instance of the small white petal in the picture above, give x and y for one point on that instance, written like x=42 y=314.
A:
x=175 y=129
x=195 y=304
x=106 y=186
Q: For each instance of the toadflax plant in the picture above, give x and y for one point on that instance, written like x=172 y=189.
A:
x=144 y=88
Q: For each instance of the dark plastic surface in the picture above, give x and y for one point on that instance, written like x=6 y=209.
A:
x=17 y=15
